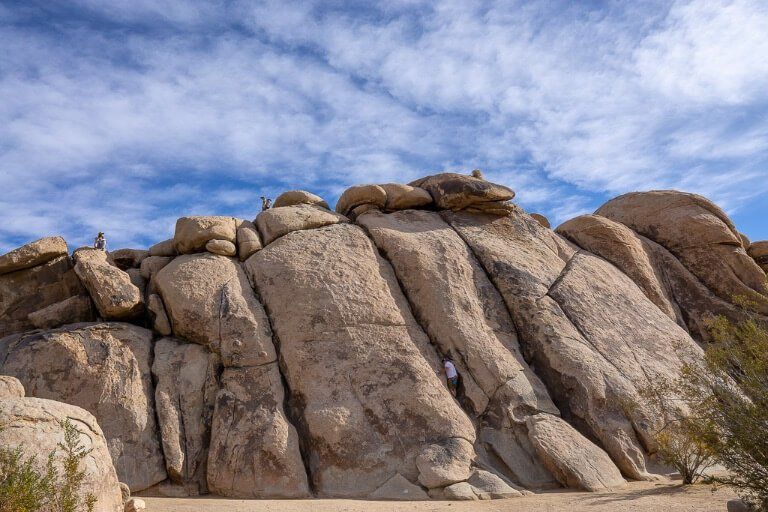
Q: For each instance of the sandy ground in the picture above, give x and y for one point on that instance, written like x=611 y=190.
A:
x=636 y=496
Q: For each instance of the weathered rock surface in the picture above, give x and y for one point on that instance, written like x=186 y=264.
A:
x=103 y=368
x=10 y=387
x=248 y=241
x=209 y=301
x=759 y=252
x=127 y=258
x=254 y=449
x=541 y=219
x=361 y=195
x=29 y=290
x=186 y=376
x=33 y=254
x=398 y=488
x=456 y=191
x=465 y=316
x=33 y=424
x=293 y=197
x=160 y=320
x=68 y=311
x=277 y=222
x=221 y=247
x=697 y=232
x=164 y=248
x=153 y=264
x=404 y=197
x=341 y=320
x=593 y=336
x=192 y=233
x=111 y=289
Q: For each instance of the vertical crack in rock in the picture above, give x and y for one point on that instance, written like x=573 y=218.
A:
x=289 y=406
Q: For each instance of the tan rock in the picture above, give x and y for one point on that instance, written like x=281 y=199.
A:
x=593 y=336
x=541 y=220
x=342 y=320
x=33 y=254
x=461 y=491
x=456 y=191
x=745 y=243
x=134 y=274
x=186 y=376
x=152 y=265
x=277 y=222
x=488 y=486
x=192 y=233
x=32 y=424
x=294 y=197
x=68 y=311
x=10 y=387
x=30 y=290
x=125 y=491
x=398 y=488
x=360 y=195
x=209 y=300
x=254 y=450
x=404 y=197
x=697 y=232
x=465 y=316
x=759 y=252
x=135 y=505
x=625 y=249
x=362 y=209
x=160 y=319
x=221 y=247
x=111 y=289
x=248 y=241
x=103 y=368
x=164 y=248
x=444 y=464
x=551 y=435
x=127 y=258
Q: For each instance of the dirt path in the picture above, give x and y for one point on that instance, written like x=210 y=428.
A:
x=637 y=496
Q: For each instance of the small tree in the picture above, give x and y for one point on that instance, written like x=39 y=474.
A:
x=23 y=488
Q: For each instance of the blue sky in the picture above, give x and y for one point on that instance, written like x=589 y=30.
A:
x=122 y=115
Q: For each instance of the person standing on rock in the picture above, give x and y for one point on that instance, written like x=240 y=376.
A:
x=100 y=242
x=451 y=375
x=266 y=203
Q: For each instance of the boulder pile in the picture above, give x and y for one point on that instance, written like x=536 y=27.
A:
x=299 y=354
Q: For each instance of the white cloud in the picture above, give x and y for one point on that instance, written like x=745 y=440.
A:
x=143 y=111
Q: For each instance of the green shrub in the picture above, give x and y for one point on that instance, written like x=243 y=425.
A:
x=24 y=488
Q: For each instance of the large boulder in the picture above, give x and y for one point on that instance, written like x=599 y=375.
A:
x=759 y=252
x=293 y=197
x=34 y=425
x=105 y=369
x=590 y=332
x=164 y=248
x=254 y=450
x=457 y=192
x=33 y=254
x=248 y=240
x=192 y=233
x=10 y=387
x=277 y=222
x=360 y=195
x=465 y=316
x=187 y=382
x=342 y=320
x=75 y=309
x=700 y=234
x=221 y=247
x=404 y=197
x=112 y=291
x=209 y=301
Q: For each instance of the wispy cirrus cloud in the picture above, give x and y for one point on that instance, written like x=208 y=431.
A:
x=122 y=116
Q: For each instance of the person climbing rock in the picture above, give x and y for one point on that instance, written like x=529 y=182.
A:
x=266 y=203
x=100 y=242
x=451 y=375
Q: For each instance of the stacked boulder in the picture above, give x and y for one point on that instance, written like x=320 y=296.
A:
x=299 y=354
x=759 y=252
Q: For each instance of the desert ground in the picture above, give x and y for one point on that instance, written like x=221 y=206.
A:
x=636 y=496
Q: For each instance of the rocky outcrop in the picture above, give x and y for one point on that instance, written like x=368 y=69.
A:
x=254 y=449
x=591 y=333
x=277 y=222
x=465 y=316
x=33 y=424
x=33 y=254
x=192 y=233
x=699 y=234
x=341 y=319
x=759 y=252
x=72 y=310
x=186 y=376
x=112 y=291
x=294 y=197
x=405 y=197
x=105 y=369
x=459 y=192
x=209 y=301
x=248 y=241
x=360 y=195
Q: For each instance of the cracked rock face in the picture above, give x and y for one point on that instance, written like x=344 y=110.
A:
x=360 y=370
x=105 y=369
